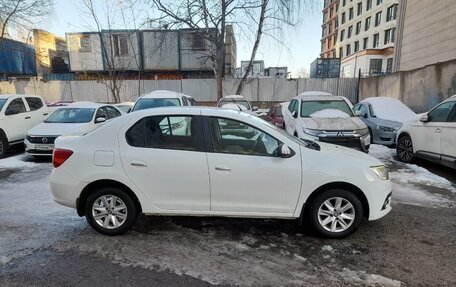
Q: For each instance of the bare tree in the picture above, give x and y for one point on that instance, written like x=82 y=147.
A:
x=23 y=13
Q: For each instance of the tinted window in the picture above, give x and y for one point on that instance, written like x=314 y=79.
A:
x=278 y=111
x=165 y=132
x=34 y=103
x=442 y=112
x=71 y=115
x=143 y=104
x=101 y=113
x=310 y=107
x=229 y=136
x=112 y=112
x=16 y=105
x=184 y=101
x=2 y=103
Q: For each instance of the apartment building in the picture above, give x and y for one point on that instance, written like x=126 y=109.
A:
x=329 y=29
x=366 y=36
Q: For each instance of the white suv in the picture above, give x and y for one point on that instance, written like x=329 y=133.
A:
x=188 y=161
x=432 y=138
x=162 y=98
x=327 y=118
x=237 y=103
x=18 y=114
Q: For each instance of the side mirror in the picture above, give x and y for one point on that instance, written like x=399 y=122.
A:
x=294 y=114
x=100 y=120
x=284 y=151
x=255 y=109
x=129 y=110
x=424 y=118
x=359 y=113
x=10 y=112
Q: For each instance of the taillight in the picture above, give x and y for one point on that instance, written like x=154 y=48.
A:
x=60 y=156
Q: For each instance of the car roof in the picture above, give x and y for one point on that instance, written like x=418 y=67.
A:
x=6 y=96
x=162 y=94
x=233 y=97
x=88 y=105
x=315 y=94
x=376 y=100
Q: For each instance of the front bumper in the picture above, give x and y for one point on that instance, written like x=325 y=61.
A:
x=380 y=201
x=34 y=145
x=385 y=138
x=358 y=143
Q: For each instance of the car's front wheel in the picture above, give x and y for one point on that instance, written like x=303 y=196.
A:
x=404 y=149
x=3 y=146
x=336 y=213
x=111 y=211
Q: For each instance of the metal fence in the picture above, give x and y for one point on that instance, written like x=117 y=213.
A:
x=260 y=90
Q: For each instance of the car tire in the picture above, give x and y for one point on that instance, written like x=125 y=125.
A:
x=404 y=149
x=113 y=219
x=3 y=145
x=339 y=221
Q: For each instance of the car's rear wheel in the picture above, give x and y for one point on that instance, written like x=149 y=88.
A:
x=111 y=211
x=3 y=145
x=404 y=149
x=336 y=213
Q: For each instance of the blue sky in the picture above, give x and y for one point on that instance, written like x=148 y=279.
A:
x=302 y=42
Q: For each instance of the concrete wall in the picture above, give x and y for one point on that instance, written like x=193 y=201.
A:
x=419 y=89
x=160 y=50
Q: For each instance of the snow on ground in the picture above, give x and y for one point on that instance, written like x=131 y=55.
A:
x=413 y=184
x=18 y=162
x=330 y=113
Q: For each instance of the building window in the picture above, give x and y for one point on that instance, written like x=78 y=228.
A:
x=390 y=35
x=344 y=2
x=360 y=9
x=341 y=51
x=323 y=32
x=85 y=45
x=199 y=44
x=378 y=18
x=330 y=29
x=334 y=40
x=365 y=43
x=325 y=17
x=350 y=30
x=350 y=13
x=358 y=28
x=379 y=2
x=348 y=50
x=356 y=47
x=323 y=44
x=343 y=17
x=120 y=44
x=346 y=71
x=391 y=13
x=368 y=5
x=331 y=13
x=375 y=67
x=389 y=65
x=342 y=35
x=376 y=41
x=367 y=24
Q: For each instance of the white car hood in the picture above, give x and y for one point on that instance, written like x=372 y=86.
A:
x=348 y=153
x=58 y=129
x=350 y=123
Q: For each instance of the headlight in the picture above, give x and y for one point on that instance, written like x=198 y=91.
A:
x=311 y=132
x=380 y=171
x=386 y=129
x=363 y=132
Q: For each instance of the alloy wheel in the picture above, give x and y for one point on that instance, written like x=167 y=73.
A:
x=109 y=211
x=336 y=214
x=405 y=149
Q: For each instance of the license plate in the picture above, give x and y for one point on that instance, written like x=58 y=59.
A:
x=44 y=147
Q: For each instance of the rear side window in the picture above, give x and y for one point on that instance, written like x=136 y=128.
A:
x=184 y=101
x=34 y=103
x=164 y=132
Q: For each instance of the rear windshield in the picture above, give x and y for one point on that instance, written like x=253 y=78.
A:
x=2 y=103
x=73 y=115
x=279 y=111
x=143 y=104
x=235 y=101
x=310 y=107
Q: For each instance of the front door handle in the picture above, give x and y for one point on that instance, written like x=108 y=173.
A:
x=222 y=168
x=438 y=130
x=138 y=164
x=27 y=118
x=45 y=114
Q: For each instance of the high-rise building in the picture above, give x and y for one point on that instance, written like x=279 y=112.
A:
x=329 y=29
x=366 y=36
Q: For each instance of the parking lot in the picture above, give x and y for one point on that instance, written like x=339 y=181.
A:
x=45 y=244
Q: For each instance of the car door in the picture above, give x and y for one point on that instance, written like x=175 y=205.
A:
x=17 y=120
x=245 y=174
x=37 y=110
x=448 y=137
x=163 y=156
x=291 y=123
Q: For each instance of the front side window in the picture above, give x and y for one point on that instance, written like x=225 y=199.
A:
x=233 y=137
x=310 y=107
x=145 y=103
x=441 y=113
x=112 y=112
x=164 y=132
x=16 y=107
x=101 y=113
x=34 y=103
x=71 y=115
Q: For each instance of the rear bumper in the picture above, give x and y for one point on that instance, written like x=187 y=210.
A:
x=65 y=188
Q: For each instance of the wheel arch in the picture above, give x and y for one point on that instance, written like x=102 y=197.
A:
x=80 y=203
x=336 y=185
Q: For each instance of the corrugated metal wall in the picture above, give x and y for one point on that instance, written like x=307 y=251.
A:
x=261 y=90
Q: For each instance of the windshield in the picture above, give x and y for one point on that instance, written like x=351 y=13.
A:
x=143 y=104
x=71 y=115
x=310 y=107
x=2 y=103
x=241 y=102
x=279 y=112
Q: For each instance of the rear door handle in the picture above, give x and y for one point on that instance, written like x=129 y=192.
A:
x=45 y=114
x=438 y=131
x=27 y=118
x=138 y=164
x=222 y=168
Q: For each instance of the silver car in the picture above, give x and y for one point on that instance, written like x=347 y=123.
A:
x=384 y=117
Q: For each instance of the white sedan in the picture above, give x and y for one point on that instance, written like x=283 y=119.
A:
x=188 y=161
x=73 y=119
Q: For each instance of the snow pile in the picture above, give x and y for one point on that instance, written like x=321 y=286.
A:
x=17 y=162
x=330 y=113
x=391 y=109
